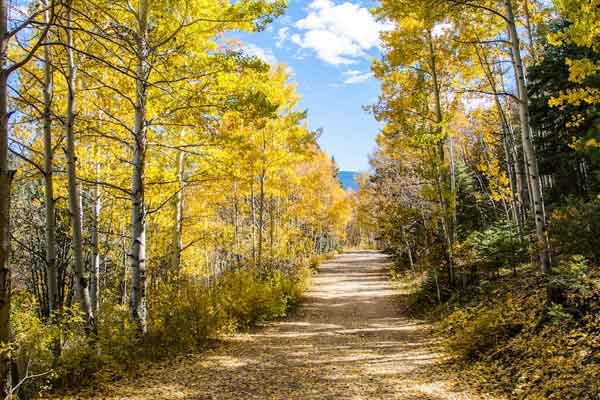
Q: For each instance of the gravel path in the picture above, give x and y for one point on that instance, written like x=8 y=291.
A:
x=349 y=340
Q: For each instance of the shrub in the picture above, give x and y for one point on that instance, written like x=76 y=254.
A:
x=570 y=286
x=478 y=331
x=518 y=341
x=31 y=349
x=182 y=317
x=246 y=298
x=429 y=293
x=499 y=246
x=575 y=229
x=249 y=299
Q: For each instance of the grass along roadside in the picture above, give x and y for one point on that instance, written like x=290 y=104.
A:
x=186 y=319
x=524 y=336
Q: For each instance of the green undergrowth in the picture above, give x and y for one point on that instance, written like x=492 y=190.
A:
x=183 y=318
x=526 y=336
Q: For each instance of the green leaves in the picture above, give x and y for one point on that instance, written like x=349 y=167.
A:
x=498 y=246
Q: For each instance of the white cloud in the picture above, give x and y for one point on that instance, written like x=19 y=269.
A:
x=290 y=71
x=282 y=36
x=264 y=54
x=338 y=33
x=285 y=20
x=353 y=77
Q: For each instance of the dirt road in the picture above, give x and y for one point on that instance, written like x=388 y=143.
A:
x=349 y=340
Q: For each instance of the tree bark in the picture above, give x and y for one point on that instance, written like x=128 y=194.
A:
x=271 y=228
x=179 y=202
x=137 y=254
x=447 y=215
x=506 y=136
x=81 y=275
x=528 y=149
x=96 y=259
x=522 y=193
x=125 y=264
x=5 y=181
x=50 y=228
x=261 y=217
x=236 y=221
x=6 y=176
x=253 y=216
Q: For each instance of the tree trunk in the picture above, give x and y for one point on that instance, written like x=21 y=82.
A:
x=178 y=227
x=522 y=193
x=447 y=215
x=253 y=215
x=236 y=221
x=137 y=254
x=261 y=217
x=6 y=176
x=82 y=279
x=408 y=249
x=453 y=187
x=95 y=250
x=515 y=209
x=50 y=228
x=125 y=264
x=272 y=228
x=520 y=177
x=528 y=149
x=506 y=136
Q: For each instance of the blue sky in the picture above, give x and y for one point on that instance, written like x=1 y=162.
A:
x=328 y=45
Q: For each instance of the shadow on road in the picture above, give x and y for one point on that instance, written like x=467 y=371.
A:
x=349 y=340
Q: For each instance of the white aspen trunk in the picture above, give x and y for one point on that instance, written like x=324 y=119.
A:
x=271 y=228
x=507 y=153
x=81 y=275
x=178 y=227
x=253 y=212
x=137 y=254
x=506 y=135
x=125 y=263
x=236 y=220
x=95 y=246
x=511 y=178
x=448 y=215
x=6 y=176
x=50 y=223
x=528 y=149
x=516 y=200
x=453 y=189
x=524 y=154
x=408 y=250
x=522 y=194
x=261 y=217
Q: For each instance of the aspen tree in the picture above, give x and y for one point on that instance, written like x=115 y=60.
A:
x=6 y=173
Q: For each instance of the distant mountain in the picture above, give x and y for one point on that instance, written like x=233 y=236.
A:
x=348 y=180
